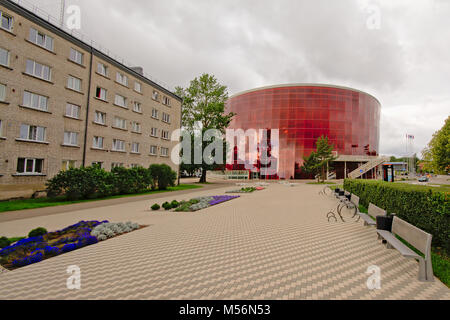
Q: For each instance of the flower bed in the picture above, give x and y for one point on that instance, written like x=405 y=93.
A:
x=35 y=249
x=196 y=204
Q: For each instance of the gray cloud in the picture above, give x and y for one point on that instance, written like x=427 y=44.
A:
x=251 y=43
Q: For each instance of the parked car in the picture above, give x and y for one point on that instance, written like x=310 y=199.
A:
x=423 y=179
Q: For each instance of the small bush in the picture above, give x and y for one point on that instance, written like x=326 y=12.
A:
x=174 y=204
x=167 y=206
x=37 y=232
x=155 y=207
x=109 y=230
x=4 y=242
x=163 y=175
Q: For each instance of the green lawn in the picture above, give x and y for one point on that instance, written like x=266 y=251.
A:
x=14 y=205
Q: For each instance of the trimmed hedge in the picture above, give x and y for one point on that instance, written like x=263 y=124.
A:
x=423 y=207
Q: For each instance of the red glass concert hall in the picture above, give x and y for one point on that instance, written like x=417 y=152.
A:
x=350 y=118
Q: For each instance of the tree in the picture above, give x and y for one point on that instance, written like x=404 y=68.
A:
x=203 y=109
x=318 y=161
x=436 y=156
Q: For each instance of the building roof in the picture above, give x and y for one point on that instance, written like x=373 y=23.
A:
x=302 y=85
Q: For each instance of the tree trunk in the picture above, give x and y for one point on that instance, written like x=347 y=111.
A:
x=203 y=176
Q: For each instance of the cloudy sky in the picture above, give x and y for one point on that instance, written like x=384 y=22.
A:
x=399 y=51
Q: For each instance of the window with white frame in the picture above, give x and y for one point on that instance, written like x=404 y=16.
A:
x=35 y=101
x=137 y=107
x=4 y=57
x=137 y=86
x=121 y=101
x=135 y=147
x=100 y=117
x=68 y=164
x=165 y=117
x=136 y=127
x=41 y=39
x=76 y=56
x=2 y=92
x=1 y=128
x=32 y=133
x=166 y=101
x=165 y=134
x=70 y=138
x=102 y=69
x=38 y=70
x=154 y=150
x=154 y=132
x=155 y=113
x=98 y=164
x=155 y=95
x=122 y=79
x=74 y=83
x=97 y=142
x=164 y=152
x=118 y=145
x=100 y=93
x=117 y=165
x=30 y=165
x=120 y=123
x=72 y=111
x=6 y=21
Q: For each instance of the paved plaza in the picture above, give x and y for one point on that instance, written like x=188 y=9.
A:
x=270 y=244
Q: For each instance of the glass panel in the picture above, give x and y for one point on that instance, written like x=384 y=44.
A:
x=38 y=69
x=24 y=131
x=2 y=92
x=4 y=54
x=29 y=165
x=21 y=165
x=38 y=165
x=40 y=134
x=30 y=67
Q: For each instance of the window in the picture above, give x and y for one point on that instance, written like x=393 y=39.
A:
x=7 y=21
x=32 y=133
x=137 y=107
x=76 y=56
x=166 y=101
x=153 y=150
x=102 y=69
x=137 y=86
x=120 y=123
x=154 y=132
x=68 y=164
x=41 y=39
x=122 y=79
x=72 y=111
x=165 y=134
x=118 y=145
x=154 y=113
x=155 y=95
x=97 y=164
x=136 y=127
x=71 y=138
x=74 y=83
x=38 y=70
x=166 y=117
x=35 y=101
x=32 y=166
x=135 y=147
x=1 y=128
x=97 y=142
x=100 y=93
x=4 y=57
x=120 y=101
x=135 y=165
x=116 y=165
x=100 y=117
x=164 y=152
x=2 y=92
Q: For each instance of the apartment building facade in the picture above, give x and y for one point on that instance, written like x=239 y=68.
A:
x=65 y=104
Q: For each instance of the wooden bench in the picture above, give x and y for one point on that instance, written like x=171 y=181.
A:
x=417 y=238
x=373 y=211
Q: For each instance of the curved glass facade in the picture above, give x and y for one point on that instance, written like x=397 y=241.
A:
x=302 y=113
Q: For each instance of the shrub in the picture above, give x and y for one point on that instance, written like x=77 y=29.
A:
x=423 y=207
x=37 y=232
x=174 y=204
x=4 y=242
x=134 y=180
x=166 y=205
x=163 y=175
x=109 y=230
x=155 y=207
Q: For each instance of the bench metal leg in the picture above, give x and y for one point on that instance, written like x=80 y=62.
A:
x=429 y=270
x=389 y=246
x=422 y=270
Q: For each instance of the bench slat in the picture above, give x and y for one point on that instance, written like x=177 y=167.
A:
x=418 y=238
x=375 y=211
x=367 y=219
x=397 y=244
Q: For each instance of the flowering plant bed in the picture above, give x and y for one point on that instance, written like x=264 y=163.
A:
x=196 y=204
x=35 y=249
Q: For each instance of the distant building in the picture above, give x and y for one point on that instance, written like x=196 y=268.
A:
x=65 y=104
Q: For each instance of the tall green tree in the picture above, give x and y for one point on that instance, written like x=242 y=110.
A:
x=436 y=155
x=318 y=161
x=203 y=109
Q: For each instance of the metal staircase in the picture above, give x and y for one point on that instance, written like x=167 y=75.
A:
x=367 y=167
